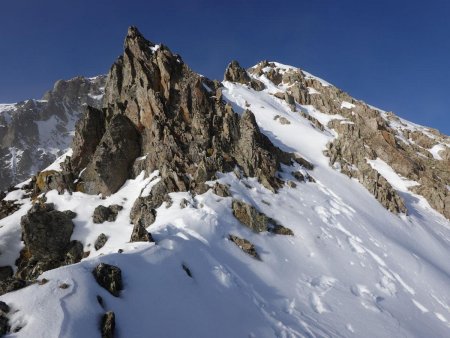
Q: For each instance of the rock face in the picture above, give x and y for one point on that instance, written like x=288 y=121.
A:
x=257 y=221
x=113 y=158
x=368 y=134
x=109 y=277
x=46 y=234
x=106 y=214
x=34 y=133
x=90 y=129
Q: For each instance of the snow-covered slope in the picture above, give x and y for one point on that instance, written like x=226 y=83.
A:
x=348 y=205
x=352 y=268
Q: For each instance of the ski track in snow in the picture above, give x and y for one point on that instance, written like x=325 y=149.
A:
x=352 y=269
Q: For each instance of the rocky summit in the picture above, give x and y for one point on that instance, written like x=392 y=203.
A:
x=269 y=204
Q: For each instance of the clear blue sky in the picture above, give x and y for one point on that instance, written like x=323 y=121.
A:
x=393 y=54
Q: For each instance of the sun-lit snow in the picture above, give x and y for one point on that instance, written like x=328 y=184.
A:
x=353 y=269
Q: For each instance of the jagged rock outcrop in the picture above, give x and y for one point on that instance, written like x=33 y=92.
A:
x=235 y=73
x=155 y=105
x=257 y=221
x=367 y=134
x=143 y=212
x=139 y=234
x=46 y=234
x=109 y=277
x=34 y=133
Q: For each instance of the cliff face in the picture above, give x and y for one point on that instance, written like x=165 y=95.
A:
x=34 y=133
x=365 y=134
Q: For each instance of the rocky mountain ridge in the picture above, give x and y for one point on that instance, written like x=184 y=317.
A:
x=34 y=133
x=233 y=192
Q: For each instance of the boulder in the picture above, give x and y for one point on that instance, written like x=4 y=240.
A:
x=139 y=234
x=100 y=241
x=106 y=214
x=109 y=277
x=46 y=234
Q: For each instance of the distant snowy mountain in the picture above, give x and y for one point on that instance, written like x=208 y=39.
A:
x=271 y=204
x=34 y=133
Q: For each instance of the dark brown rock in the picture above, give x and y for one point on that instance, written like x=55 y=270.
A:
x=139 y=234
x=100 y=241
x=8 y=208
x=6 y=272
x=89 y=131
x=109 y=277
x=46 y=234
x=4 y=325
x=11 y=284
x=221 y=190
x=108 y=325
x=257 y=221
x=106 y=214
x=244 y=245
x=111 y=163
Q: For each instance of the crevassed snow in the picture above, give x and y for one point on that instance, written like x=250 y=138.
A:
x=352 y=268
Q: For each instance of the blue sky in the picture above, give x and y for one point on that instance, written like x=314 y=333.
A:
x=392 y=54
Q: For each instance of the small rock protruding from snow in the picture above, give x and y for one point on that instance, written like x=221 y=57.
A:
x=109 y=277
x=244 y=245
x=139 y=234
x=106 y=214
x=108 y=325
x=257 y=221
x=100 y=241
